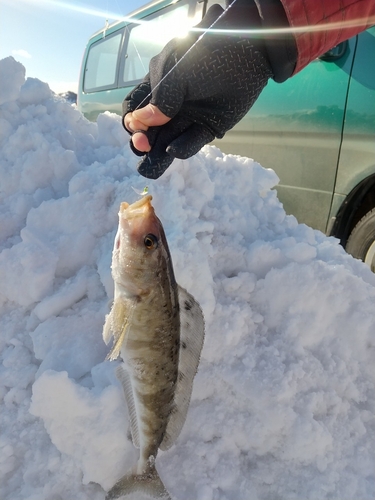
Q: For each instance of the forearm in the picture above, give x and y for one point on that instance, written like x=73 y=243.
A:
x=279 y=40
x=319 y=26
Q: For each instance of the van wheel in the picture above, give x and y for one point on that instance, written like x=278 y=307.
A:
x=361 y=242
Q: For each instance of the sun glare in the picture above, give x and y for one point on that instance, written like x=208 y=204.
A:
x=75 y=7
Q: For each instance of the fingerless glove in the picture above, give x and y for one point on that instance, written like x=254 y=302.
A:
x=205 y=88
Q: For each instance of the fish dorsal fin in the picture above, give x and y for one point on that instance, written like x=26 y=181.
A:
x=191 y=343
x=124 y=378
x=116 y=325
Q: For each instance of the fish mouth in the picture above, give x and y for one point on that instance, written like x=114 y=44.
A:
x=140 y=207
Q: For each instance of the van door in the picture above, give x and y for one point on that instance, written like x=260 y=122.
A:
x=357 y=158
x=116 y=62
x=100 y=76
x=295 y=128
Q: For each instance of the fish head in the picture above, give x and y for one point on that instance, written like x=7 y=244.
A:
x=140 y=248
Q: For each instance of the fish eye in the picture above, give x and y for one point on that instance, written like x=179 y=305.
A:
x=151 y=242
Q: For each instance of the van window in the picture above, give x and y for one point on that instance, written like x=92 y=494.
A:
x=101 y=65
x=148 y=38
x=212 y=2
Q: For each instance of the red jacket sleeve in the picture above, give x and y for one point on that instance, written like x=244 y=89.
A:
x=322 y=24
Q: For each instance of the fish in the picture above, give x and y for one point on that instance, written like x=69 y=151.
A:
x=157 y=328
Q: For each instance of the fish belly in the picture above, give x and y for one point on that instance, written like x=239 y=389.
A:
x=150 y=357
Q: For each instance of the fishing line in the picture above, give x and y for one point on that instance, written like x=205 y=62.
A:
x=186 y=53
x=294 y=30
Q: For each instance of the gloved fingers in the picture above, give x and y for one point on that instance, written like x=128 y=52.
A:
x=152 y=166
x=156 y=162
x=132 y=147
x=152 y=134
x=190 y=142
x=139 y=97
x=180 y=138
x=128 y=130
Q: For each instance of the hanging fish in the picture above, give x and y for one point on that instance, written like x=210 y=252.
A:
x=158 y=329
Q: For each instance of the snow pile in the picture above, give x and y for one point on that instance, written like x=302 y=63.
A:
x=283 y=403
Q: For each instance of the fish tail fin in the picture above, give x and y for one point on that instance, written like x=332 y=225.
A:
x=149 y=483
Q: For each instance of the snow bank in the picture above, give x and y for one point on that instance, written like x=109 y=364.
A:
x=283 y=403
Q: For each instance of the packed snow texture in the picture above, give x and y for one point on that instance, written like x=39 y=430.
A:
x=283 y=403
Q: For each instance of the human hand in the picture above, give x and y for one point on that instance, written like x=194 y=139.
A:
x=140 y=120
x=181 y=107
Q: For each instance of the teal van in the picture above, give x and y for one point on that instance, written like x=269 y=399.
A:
x=317 y=130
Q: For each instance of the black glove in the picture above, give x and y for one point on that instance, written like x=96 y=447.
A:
x=205 y=90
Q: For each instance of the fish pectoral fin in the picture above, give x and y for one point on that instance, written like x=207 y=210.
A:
x=116 y=326
x=191 y=343
x=149 y=483
x=107 y=328
x=124 y=378
x=117 y=344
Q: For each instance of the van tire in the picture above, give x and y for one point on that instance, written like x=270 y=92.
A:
x=361 y=242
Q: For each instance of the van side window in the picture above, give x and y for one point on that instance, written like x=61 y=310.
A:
x=101 y=65
x=149 y=37
x=211 y=2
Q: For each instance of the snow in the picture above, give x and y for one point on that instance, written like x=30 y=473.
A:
x=283 y=403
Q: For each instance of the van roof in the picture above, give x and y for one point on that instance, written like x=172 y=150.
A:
x=147 y=9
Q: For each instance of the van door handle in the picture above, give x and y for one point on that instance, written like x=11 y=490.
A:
x=335 y=53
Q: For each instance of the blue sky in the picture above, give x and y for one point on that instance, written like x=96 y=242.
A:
x=49 y=36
